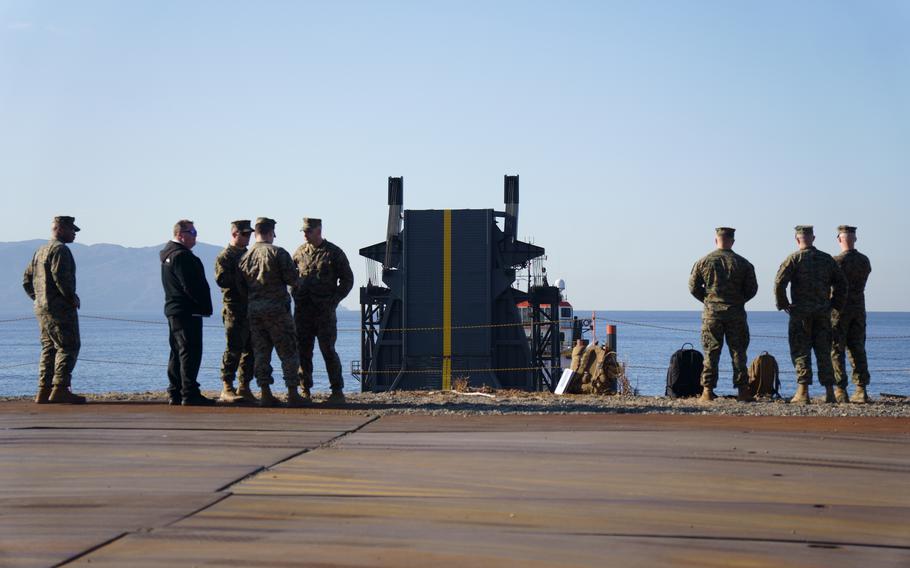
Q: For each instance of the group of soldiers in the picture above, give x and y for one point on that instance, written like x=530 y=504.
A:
x=254 y=281
x=826 y=309
x=257 y=315
x=826 y=306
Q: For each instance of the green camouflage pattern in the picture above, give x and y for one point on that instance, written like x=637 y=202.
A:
x=714 y=331
x=274 y=329
x=849 y=336
x=50 y=279
x=60 y=344
x=316 y=322
x=849 y=324
x=267 y=271
x=816 y=283
x=325 y=274
x=856 y=268
x=723 y=281
x=238 y=358
x=325 y=278
x=810 y=332
x=228 y=277
x=238 y=352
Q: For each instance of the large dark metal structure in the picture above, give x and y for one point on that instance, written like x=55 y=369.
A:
x=446 y=306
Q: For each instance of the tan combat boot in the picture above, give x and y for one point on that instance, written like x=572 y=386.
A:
x=266 y=398
x=294 y=398
x=62 y=395
x=245 y=394
x=801 y=396
x=228 y=394
x=306 y=394
x=840 y=395
x=43 y=395
x=744 y=394
x=829 y=394
x=707 y=395
x=859 y=395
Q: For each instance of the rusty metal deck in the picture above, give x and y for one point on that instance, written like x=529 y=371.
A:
x=149 y=485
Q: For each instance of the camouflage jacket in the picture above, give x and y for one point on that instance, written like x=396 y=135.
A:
x=724 y=281
x=856 y=268
x=816 y=282
x=267 y=272
x=50 y=279
x=227 y=276
x=325 y=274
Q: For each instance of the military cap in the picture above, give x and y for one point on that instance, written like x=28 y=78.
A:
x=242 y=226
x=804 y=230
x=265 y=222
x=845 y=229
x=311 y=223
x=725 y=232
x=66 y=220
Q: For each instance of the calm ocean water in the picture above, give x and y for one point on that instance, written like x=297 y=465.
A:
x=131 y=357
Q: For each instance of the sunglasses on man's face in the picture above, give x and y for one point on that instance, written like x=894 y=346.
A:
x=190 y=231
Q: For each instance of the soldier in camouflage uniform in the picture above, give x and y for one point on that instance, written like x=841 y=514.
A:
x=724 y=281
x=238 y=353
x=325 y=279
x=267 y=272
x=816 y=286
x=50 y=281
x=849 y=324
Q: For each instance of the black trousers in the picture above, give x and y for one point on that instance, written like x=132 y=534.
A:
x=186 y=355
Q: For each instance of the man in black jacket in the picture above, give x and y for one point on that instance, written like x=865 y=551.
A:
x=186 y=301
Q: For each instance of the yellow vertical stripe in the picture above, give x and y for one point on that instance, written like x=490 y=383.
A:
x=447 y=299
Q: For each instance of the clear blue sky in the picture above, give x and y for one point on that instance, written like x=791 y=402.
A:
x=636 y=127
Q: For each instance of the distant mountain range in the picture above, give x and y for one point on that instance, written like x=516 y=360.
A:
x=110 y=278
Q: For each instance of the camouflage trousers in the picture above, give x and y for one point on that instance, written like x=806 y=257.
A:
x=810 y=332
x=274 y=329
x=317 y=323
x=238 y=354
x=849 y=336
x=736 y=333
x=60 y=345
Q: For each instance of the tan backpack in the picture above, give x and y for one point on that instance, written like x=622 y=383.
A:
x=596 y=370
x=764 y=376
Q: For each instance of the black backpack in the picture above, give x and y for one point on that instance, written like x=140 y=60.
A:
x=684 y=373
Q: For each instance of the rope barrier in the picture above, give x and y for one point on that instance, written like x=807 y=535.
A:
x=17 y=365
x=128 y=363
x=135 y=363
x=417 y=371
x=439 y=371
x=781 y=371
x=24 y=318
x=469 y=326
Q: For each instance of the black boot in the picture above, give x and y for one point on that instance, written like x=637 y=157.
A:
x=197 y=399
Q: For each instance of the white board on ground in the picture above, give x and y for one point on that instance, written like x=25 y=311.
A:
x=564 y=381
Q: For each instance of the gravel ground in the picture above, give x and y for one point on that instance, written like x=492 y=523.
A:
x=517 y=402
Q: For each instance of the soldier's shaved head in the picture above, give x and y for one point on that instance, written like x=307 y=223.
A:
x=847 y=241
x=804 y=240
x=265 y=233
x=724 y=242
